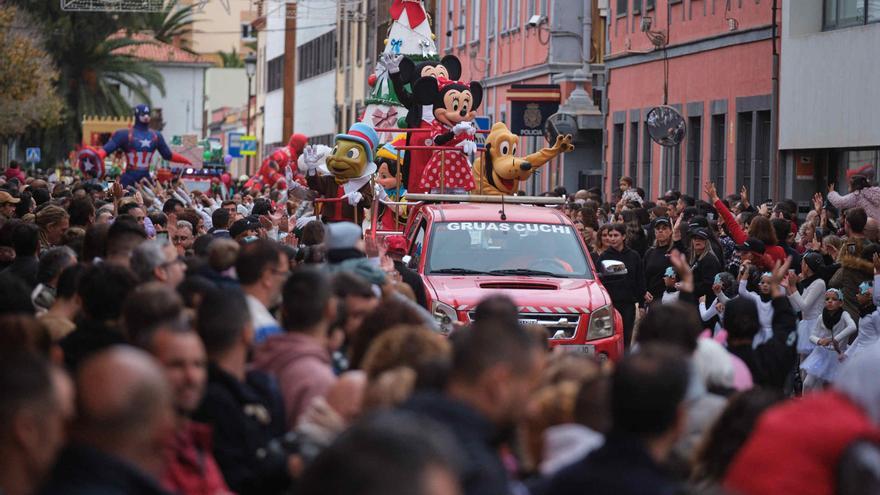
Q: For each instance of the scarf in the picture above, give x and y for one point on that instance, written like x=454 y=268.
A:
x=866 y=310
x=831 y=319
x=803 y=284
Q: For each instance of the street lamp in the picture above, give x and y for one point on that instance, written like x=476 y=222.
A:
x=250 y=68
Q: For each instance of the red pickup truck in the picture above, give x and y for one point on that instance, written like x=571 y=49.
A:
x=533 y=254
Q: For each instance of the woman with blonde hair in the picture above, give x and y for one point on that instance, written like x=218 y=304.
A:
x=53 y=222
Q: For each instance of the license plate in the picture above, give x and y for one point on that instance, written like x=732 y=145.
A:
x=587 y=349
x=528 y=321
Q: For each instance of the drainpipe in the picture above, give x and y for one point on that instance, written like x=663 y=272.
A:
x=588 y=33
x=774 y=118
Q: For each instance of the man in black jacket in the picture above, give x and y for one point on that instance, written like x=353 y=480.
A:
x=496 y=366
x=26 y=242
x=647 y=406
x=243 y=407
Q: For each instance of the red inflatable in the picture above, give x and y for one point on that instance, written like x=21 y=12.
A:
x=275 y=165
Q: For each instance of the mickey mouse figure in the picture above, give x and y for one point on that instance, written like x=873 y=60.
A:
x=455 y=105
x=402 y=72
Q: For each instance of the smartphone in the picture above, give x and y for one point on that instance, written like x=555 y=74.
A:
x=162 y=236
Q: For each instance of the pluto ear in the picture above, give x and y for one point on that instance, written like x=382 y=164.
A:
x=453 y=66
x=477 y=93
x=407 y=70
x=488 y=168
x=426 y=90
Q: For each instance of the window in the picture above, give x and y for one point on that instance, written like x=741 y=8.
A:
x=247 y=32
x=532 y=7
x=865 y=162
x=647 y=162
x=762 y=155
x=633 y=150
x=316 y=56
x=617 y=156
x=515 y=13
x=649 y=5
x=694 y=155
x=475 y=20
x=637 y=6
x=845 y=13
x=462 y=22
x=744 y=153
x=544 y=4
x=505 y=13
x=672 y=167
x=449 y=27
x=491 y=16
x=275 y=76
x=622 y=8
x=717 y=152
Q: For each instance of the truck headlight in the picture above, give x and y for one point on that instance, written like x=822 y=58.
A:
x=445 y=315
x=601 y=324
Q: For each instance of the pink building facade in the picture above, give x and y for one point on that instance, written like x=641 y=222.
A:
x=720 y=59
x=499 y=46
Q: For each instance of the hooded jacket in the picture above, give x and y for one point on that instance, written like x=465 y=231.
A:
x=302 y=366
x=853 y=271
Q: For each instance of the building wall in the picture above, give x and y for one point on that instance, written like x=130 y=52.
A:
x=216 y=30
x=352 y=66
x=225 y=88
x=713 y=70
x=183 y=103
x=315 y=97
x=272 y=46
x=828 y=82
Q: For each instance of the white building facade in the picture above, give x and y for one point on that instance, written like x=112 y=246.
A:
x=315 y=93
x=828 y=94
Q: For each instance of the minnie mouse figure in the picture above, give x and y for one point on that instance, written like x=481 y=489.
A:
x=454 y=104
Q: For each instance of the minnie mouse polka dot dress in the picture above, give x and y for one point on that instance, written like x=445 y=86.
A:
x=455 y=173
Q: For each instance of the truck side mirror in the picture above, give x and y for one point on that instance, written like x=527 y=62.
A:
x=613 y=269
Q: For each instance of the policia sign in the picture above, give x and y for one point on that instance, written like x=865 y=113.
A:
x=530 y=105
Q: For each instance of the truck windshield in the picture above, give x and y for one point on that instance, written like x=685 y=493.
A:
x=506 y=248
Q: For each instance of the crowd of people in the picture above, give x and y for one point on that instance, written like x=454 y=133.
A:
x=157 y=340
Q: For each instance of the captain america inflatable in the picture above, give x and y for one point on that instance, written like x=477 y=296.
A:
x=138 y=142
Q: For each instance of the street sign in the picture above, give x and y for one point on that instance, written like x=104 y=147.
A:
x=483 y=124
x=248 y=146
x=33 y=155
x=234 y=144
x=530 y=105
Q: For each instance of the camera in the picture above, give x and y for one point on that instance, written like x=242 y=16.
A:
x=295 y=443
x=536 y=20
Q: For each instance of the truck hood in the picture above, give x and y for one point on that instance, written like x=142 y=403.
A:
x=531 y=294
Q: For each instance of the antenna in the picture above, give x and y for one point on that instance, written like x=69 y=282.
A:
x=501 y=211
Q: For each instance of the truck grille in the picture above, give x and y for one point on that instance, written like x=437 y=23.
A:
x=557 y=325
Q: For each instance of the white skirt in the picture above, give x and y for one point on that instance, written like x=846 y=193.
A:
x=822 y=363
x=804 y=330
x=764 y=334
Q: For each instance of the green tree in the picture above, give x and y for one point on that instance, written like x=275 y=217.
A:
x=230 y=59
x=174 y=23
x=94 y=65
x=28 y=96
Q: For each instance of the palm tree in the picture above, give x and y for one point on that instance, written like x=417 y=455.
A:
x=173 y=23
x=230 y=59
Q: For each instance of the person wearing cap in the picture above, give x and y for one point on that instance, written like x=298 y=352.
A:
x=754 y=251
x=629 y=290
x=351 y=167
x=244 y=228
x=805 y=295
x=656 y=260
x=7 y=205
x=704 y=263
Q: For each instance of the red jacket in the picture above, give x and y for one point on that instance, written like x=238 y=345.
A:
x=772 y=253
x=795 y=447
x=190 y=465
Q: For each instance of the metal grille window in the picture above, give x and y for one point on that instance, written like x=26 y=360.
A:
x=505 y=12
x=475 y=20
x=491 y=16
x=633 y=150
x=672 y=167
x=647 y=164
x=317 y=56
x=617 y=156
x=622 y=6
x=844 y=13
x=275 y=76
x=718 y=152
x=694 y=155
x=515 y=13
